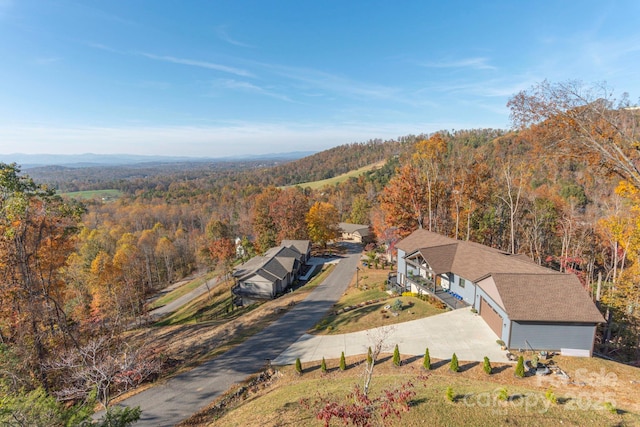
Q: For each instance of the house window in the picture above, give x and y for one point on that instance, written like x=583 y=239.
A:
x=461 y=282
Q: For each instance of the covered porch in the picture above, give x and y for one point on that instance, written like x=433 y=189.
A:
x=432 y=288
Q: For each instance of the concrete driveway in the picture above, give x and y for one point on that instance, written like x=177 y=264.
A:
x=459 y=331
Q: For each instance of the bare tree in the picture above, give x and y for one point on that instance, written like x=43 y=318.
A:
x=104 y=366
x=582 y=121
x=514 y=182
x=378 y=338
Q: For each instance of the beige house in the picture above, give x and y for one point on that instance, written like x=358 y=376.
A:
x=357 y=232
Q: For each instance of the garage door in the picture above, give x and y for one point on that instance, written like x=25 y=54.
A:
x=493 y=319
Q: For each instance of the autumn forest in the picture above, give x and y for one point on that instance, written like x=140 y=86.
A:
x=562 y=186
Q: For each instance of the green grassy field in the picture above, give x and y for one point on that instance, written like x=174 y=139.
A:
x=340 y=178
x=94 y=194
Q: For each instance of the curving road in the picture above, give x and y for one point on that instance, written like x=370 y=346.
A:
x=180 y=397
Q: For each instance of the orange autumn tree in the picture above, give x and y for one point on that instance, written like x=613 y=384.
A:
x=37 y=230
x=620 y=231
x=279 y=214
x=222 y=248
x=411 y=198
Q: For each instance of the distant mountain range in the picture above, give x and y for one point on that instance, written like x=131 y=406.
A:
x=27 y=161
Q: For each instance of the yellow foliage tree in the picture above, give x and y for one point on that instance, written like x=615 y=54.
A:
x=322 y=222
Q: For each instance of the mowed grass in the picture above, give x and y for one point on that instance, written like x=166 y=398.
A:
x=363 y=306
x=315 y=185
x=180 y=291
x=111 y=194
x=293 y=399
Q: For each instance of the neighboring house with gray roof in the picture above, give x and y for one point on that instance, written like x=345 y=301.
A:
x=267 y=276
x=528 y=306
x=359 y=232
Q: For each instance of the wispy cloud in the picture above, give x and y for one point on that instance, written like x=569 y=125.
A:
x=313 y=81
x=221 y=31
x=478 y=63
x=106 y=48
x=46 y=60
x=250 y=87
x=500 y=87
x=200 y=64
x=174 y=60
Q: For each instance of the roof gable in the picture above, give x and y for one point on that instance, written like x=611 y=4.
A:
x=274 y=267
x=302 y=246
x=282 y=251
x=440 y=258
x=469 y=260
x=361 y=229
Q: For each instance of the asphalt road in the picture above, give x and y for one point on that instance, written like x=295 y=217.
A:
x=178 y=398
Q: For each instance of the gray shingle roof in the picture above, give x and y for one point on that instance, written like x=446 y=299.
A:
x=276 y=263
x=301 y=246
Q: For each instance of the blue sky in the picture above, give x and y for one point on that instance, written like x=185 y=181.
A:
x=220 y=78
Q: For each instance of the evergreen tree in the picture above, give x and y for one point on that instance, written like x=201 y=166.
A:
x=343 y=362
x=454 y=363
x=426 y=363
x=396 y=356
x=323 y=366
x=450 y=395
x=298 y=366
x=487 y=366
x=520 y=367
x=369 y=357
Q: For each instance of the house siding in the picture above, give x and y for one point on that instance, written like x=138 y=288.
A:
x=552 y=336
x=258 y=287
x=402 y=267
x=467 y=293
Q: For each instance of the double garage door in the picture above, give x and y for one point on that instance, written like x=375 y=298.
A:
x=493 y=319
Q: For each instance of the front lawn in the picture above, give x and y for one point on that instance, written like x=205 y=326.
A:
x=366 y=304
